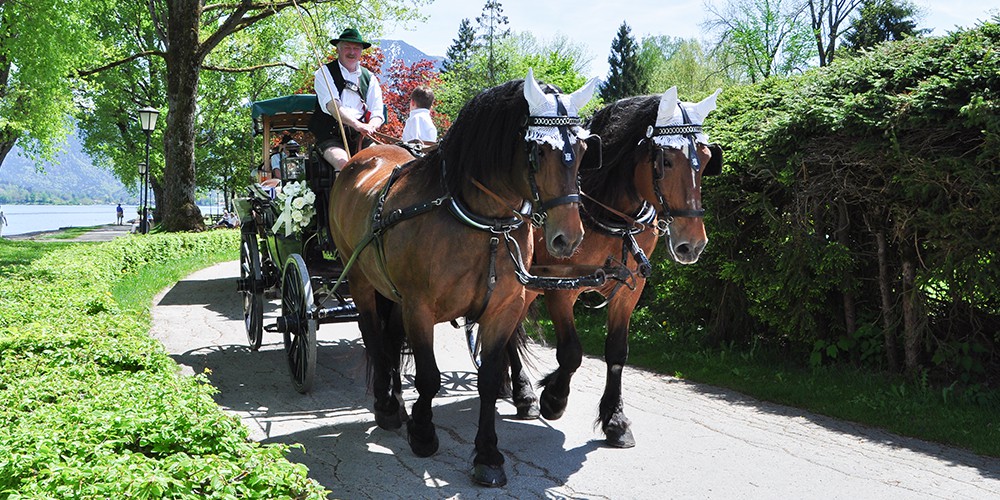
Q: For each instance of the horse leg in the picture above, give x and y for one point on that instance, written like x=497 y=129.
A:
x=522 y=395
x=614 y=423
x=569 y=353
x=373 y=314
x=422 y=435
x=488 y=467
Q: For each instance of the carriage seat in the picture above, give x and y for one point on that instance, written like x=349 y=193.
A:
x=320 y=173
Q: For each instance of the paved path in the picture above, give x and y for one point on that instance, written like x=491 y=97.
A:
x=101 y=233
x=694 y=441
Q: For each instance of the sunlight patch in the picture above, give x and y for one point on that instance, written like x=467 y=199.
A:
x=377 y=448
x=433 y=482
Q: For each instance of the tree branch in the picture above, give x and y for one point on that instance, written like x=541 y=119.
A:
x=248 y=68
x=119 y=62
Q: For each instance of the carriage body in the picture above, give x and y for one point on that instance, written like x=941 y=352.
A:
x=278 y=254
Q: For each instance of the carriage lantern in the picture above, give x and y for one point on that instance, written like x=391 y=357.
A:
x=294 y=165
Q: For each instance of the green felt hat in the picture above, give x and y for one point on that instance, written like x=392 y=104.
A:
x=351 y=35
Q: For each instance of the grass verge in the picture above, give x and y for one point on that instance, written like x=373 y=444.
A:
x=91 y=406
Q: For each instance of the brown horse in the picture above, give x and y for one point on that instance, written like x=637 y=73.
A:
x=654 y=157
x=433 y=235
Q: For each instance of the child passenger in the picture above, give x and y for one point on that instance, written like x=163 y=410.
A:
x=419 y=126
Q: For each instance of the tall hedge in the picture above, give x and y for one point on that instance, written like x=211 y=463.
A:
x=858 y=216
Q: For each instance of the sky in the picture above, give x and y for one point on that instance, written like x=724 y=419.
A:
x=593 y=24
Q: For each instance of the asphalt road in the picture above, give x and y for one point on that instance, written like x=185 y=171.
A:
x=694 y=441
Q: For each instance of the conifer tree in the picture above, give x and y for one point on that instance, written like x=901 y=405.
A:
x=493 y=31
x=459 y=54
x=626 y=75
x=881 y=21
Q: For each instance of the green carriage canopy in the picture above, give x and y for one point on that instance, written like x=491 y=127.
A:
x=290 y=112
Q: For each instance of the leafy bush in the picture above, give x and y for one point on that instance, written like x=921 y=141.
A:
x=857 y=217
x=92 y=407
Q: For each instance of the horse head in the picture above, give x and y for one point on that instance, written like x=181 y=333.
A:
x=556 y=145
x=678 y=155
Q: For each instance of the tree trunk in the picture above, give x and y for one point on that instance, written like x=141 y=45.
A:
x=885 y=290
x=850 y=308
x=177 y=208
x=911 y=330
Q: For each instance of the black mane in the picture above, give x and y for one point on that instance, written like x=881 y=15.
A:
x=621 y=125
x=485 y=138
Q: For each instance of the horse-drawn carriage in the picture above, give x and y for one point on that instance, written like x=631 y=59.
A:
x=285 y=240
x=468 y=221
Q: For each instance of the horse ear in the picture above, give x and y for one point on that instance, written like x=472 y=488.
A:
x=534 y=94
x=668 y=106
x=707 y=105
x=583 y=95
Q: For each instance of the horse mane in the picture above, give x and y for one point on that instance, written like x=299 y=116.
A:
x=485 y=138
x=621 y=125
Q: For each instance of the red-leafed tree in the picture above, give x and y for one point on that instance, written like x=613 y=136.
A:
x=396 y=89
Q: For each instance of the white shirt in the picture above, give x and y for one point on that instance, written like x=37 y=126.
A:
x=419 y=126
x=350 y=101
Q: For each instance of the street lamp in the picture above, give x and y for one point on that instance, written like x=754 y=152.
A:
x=142 y=198
x=147 y=120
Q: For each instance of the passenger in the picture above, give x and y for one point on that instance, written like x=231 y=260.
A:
x=355 y=92
x=419 y=126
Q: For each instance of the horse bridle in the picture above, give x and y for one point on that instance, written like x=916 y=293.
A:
x=562 y=121
x=689 y=131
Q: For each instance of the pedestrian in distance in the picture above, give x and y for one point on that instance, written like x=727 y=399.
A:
x=120 y=213
x=3 y=222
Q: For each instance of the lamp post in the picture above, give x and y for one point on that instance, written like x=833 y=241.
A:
x=143 y=168
x=147 y=120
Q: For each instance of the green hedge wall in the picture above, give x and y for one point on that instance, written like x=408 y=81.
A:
x=858 y=215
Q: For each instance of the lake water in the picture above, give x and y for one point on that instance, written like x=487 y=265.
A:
x=32 y=218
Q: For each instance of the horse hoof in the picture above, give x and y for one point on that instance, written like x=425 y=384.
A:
x=553 y=410
x=619 y=438
x=422 y=447
x=528 y=412
x=489 y=475
x=390 y=421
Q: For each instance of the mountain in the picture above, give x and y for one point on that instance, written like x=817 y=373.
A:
x=398 y=49
x=72 y=178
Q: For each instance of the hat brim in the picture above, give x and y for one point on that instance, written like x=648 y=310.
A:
x=364 y=45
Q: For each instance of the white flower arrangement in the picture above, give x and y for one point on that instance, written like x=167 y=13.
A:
x=297 y=205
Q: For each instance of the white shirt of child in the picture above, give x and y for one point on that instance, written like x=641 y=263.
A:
x=419 y=126
x=351 y=103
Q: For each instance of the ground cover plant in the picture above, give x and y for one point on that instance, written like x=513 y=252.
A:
x=91 y=406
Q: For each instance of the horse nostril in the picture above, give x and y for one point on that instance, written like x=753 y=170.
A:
x=559 y=243
x=683 y=249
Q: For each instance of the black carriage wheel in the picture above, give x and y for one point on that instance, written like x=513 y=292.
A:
x=253 y=295
x=300 y=333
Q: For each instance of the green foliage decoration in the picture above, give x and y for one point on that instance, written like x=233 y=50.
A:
x=91 y=406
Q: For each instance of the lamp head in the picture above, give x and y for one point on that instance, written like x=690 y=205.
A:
x=147 y=118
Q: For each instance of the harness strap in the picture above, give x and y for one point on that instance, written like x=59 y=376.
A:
x=491 y=282
x=499 y=200
x=546 y=282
